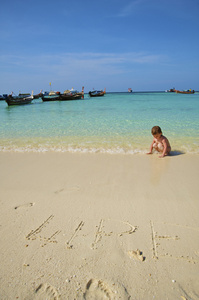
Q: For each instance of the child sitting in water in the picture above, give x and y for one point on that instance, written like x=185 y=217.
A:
x=160 y=143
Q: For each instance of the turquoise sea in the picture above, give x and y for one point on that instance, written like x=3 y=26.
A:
x=115 y=123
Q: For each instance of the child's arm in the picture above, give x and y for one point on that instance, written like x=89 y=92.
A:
x=151 y=147
x=164 y=149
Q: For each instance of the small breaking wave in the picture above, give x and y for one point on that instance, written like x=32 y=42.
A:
x=93 y=150
x=44 y=149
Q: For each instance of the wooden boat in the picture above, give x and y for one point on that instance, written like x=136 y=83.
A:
x=21 y=99
x=50 y=96
x=72 y=95
x=185 y=92
x=65 y=97
x=96 y=93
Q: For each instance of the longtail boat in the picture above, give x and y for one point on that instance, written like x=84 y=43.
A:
x=21 y=99
x=185 y=92
x=72 y=95
x=96 y=93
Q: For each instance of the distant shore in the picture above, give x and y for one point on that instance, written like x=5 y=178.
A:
x=89 y=226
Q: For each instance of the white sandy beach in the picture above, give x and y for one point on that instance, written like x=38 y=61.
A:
x=99 y=226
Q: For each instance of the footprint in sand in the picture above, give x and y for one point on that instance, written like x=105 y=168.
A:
x=47 y=292
x=99 y=290
x=136 y=255
x=74 y=188
x=24 y=205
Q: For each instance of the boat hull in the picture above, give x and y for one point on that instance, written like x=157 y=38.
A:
x=66 y=97
x=18 y=101
x=50 y=98
x=96 y=94
x=185 y=92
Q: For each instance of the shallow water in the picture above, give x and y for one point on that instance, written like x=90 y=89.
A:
x=115 y=123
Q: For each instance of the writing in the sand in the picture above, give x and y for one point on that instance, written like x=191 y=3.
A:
x=163 y=239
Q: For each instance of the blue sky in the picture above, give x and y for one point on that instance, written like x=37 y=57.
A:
x=143 y=44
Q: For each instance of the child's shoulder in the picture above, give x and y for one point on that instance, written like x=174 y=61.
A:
x=164 y=138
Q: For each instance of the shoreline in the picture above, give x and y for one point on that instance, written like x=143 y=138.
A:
x=94 y=148
x=79 y=226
